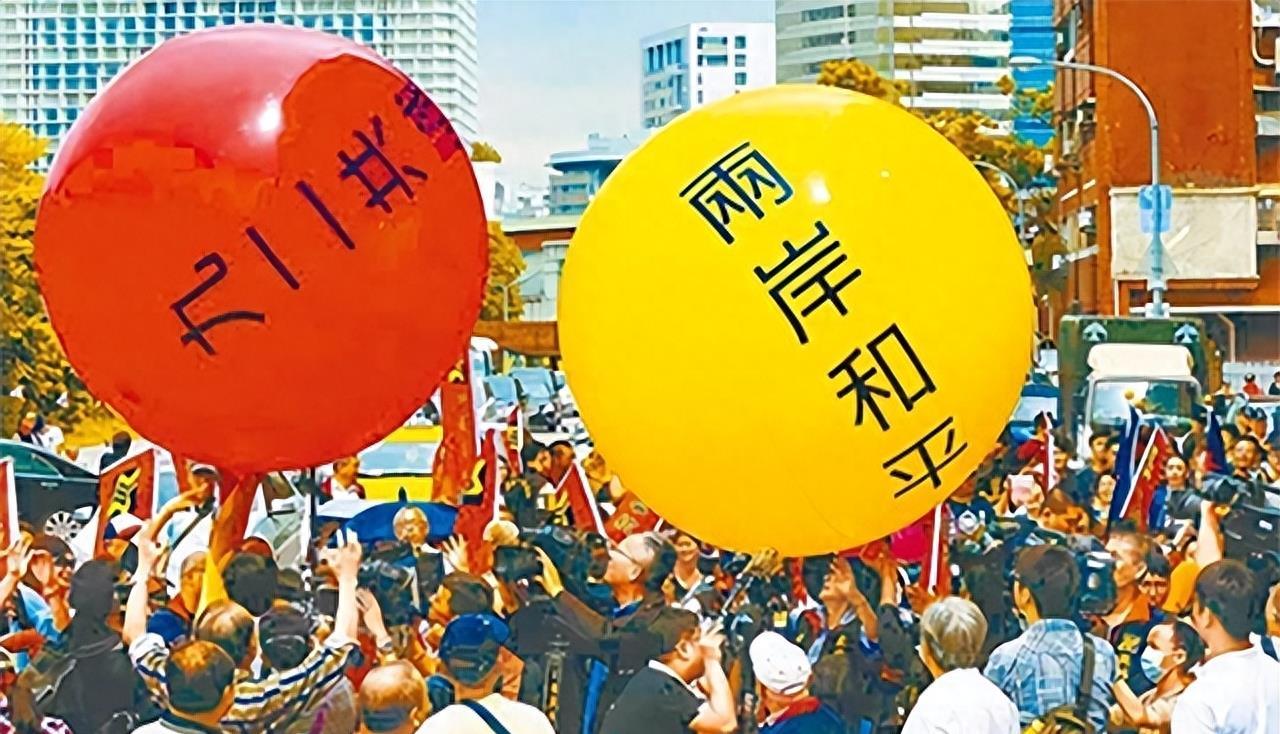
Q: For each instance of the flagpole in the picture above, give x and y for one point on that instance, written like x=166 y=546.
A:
x=937 y=547
x=1124 y=509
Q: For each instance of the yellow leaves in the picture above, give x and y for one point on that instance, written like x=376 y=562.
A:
x=482 y=152
x=858 y=76
x=505 y=267
x=1005 y=85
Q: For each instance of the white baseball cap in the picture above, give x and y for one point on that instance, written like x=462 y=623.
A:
x=779 y=665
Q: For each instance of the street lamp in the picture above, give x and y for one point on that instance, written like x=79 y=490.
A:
x=1156 y=283
x=1017 y=194
x=506 y=310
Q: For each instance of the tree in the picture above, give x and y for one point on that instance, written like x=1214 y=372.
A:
x=505 y=266
x=30 y=355
x=979 y=137
x=482 y=152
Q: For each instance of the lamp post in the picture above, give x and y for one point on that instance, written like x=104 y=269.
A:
x=1017 y=194
x=1155 y=277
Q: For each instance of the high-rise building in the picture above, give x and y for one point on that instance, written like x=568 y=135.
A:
x=695 y=64
x=1032 y=33
x=580 y=173
x=950 y=53
x=56 y=54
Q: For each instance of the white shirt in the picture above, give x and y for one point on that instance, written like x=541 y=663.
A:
x=1234 y=693
x=518 y=718
x=963 y=702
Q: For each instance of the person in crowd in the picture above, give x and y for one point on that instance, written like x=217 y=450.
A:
x=392 y=700
x=1130 y=550
x=1100 y=500
x=1175 y=483
x=101 y=684
x=840 y=616
x=1042 y=669
x=1246 y=456
x=199 y=679
x=610 y=650
x=459 y=593
x=410 y=527
x=1172 y=649
x=205 y=481
x=1155 y=583
x=1062 y=514
x=1269 y=639
x=120 y=444
x=965 y=502
x=280 y=695
x=19 y=712
x=251 y=581
x=470 y=651
x=1274 y=388
x=687 y=580
x=661 y=698
x=344 y=483
x=562 y=458
x=959 y=700
x=284 y=636
x=173 y=621
x=1235 y=688
x=1250 y=386
x=1101 y=461
x=783 y=674
x=49 y=572
x=26 y=610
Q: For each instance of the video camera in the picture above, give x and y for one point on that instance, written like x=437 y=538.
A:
x=579 y=556
x=402 y=582
x=1250 y=530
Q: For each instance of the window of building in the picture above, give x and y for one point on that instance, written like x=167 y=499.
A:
x=828 y=13
x=739 y=41
x=189 y=7
x=149 y=23
x=677 y=51
x=718 y=60
x=699 y=96
x=90 y=24
x=69 y=23
x=171 y=8
x=740 y=78
x=51 y=39
x=739 y=60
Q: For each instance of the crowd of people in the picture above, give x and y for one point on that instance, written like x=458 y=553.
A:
x=1056 y=616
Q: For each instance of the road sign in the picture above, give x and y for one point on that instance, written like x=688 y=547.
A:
x=1186 y=334
x=1095 y=332
x=1148 y=198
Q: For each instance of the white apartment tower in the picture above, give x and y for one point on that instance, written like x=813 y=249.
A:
x=691 y=65
x=56 y=54
x=950 y=52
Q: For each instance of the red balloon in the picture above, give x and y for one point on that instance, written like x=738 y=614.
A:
x=263 y=246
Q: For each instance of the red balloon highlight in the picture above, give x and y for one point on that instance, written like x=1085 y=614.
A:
x=263 y=246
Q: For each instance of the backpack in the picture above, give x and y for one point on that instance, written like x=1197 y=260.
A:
x=1070 y=718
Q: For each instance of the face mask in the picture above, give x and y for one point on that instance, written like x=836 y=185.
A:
x=1153 y=664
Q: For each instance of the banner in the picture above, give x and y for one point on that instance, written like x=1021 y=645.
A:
x=1215 y=458
x=1149 y=478
x=455 y=461
x=126 y=487
x=228 y=531
x=480 y=508
x=513 y=440
x=631 y=516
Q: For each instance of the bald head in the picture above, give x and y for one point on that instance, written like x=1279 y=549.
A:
x=393 y=699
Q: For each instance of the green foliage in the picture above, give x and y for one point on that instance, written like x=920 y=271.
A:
x=505 y=266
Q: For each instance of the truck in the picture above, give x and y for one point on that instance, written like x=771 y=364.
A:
x=1106 y=363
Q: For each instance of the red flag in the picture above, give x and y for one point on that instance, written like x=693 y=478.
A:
x=574 y=491
x=1150 y=475
x=927 y=541
x=127 y=487
x=481 y=508
x=9 y=505
x=456 y=460
x=632 y=516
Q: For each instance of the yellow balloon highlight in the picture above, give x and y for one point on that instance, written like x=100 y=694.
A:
x=796 y=318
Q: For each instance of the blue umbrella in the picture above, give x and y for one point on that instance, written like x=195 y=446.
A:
x=375 y=523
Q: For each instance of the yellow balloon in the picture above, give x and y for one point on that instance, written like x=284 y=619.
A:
x=796 y=318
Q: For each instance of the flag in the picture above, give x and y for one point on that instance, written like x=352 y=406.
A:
x=9 y=506
x=513 y=440
x=456 y=458
x=574 y=492
x=481 y=508
x=126 y=487
x=1149 y=477
x=632 y=516
x=1215 y=457
x=1125 y=457
x=228 y=530
x=1046 y=458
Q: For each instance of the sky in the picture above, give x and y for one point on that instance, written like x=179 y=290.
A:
x=552 y=71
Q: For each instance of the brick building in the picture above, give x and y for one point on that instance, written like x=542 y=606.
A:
x=1211 y=77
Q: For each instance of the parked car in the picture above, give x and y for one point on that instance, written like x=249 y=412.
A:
x=54 y=495
x=402 y=460
x=538 y=387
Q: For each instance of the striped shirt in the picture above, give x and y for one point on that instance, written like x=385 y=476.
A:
x=259 y=704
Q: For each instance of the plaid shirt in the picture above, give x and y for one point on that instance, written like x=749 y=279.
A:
x=1040 y=670
x=259 y=704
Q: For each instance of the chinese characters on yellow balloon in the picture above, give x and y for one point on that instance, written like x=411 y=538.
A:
x=881 y=377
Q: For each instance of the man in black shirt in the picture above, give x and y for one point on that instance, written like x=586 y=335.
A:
x=661 y=698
